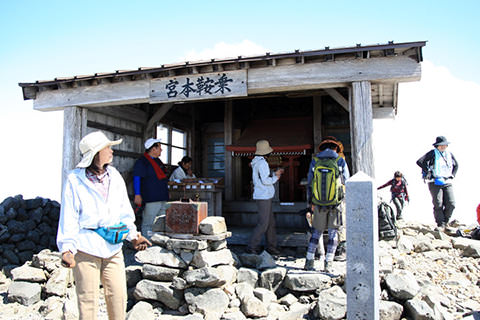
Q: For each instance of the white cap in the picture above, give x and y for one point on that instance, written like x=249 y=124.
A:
x=150 y=142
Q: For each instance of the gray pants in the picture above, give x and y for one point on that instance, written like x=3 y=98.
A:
x=443 y=202
x=399 y=204
x=265 y=225
x=151 y=211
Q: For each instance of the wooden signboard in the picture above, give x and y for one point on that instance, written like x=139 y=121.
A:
x=199 y=86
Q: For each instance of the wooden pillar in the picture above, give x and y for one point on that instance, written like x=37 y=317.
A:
x=317 y=122
x=228 y=135
x=74 y=128
x=361 y=127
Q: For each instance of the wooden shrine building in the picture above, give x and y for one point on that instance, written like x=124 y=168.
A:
x=215 y=111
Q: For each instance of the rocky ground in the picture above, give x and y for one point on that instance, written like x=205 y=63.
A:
x=425 y=274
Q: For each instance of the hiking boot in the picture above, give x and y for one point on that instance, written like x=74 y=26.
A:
x=341 y=253
x=309 y=265
x=399 y=217
x=252 y=251
x=274 y=251
x=328 y=266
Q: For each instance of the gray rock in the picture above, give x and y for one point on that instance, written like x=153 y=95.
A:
x=186 y=256
x=217 y=245
x=159 y=240
x=186 y=244
x=206 y=277
x=419 y=310
x=402 y=284
x=179 y=283
x=211 y=258
x=159 y=273
x=266 y=261
x=25 y=293
x=133 y=274
x=212 y=303
x=227 y=273
x=141 y=311
x=237 y=315
x=264 y=295
x=332 y=303
x=271 y=279
x=160 y=257
x=405 y=244
x=390 y=310
x=297 y=311
x=58 y=282
x=159 y=291
x=248 y=275
x=288 y=300
x=424 y=245
x=306 y=281
x=27 y=273
x=213 y=225
x=254 y=308
x=244 y=291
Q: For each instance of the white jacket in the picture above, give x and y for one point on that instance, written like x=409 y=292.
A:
x=84 y=208
x=262 y=181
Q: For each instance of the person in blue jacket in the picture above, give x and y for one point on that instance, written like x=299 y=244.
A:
x=150 y=184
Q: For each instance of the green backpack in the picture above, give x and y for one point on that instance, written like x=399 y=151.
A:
x=327 y=187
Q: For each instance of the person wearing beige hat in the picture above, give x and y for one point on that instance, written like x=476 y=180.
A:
x=94 y=199
x=263 y=192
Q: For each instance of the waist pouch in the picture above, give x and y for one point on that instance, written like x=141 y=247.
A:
x=114 y=234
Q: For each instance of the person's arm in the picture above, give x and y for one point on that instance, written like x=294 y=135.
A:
x=455 y=165
x=264 y=174
x=389 y=183
x=309 y=181
x=136 y=188
x=68 y=226
x=422 y=162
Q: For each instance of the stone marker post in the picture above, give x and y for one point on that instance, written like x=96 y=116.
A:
x=363 y=287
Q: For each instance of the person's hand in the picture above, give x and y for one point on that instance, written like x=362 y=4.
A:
x=138 y=200
x=279 y=172
x=141 y=243
x=68 y=259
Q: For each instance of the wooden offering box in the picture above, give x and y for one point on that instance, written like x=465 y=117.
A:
x=184 y=217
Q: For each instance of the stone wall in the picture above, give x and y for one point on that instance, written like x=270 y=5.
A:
x=26 y=227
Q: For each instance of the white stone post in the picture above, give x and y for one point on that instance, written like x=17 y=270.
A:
x=362 y=280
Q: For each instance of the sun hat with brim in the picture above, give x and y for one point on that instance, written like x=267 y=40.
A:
x=91 y=144
x=263 y=148
x=150 y=142
x=441 y=141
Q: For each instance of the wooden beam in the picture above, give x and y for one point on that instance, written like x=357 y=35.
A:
x=311 y=76
x=361 y=124
x=74 y=128
x=338 y=98
x=228 y=137
x=162 y=111
x=113 y=129
x=308 y=76
x=108 y=94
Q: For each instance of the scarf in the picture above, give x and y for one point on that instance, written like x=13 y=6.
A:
x=443 y=164
x=158 y=171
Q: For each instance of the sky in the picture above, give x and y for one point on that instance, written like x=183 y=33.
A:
x=41 y=40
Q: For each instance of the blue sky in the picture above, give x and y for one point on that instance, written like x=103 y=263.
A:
x=41 y=40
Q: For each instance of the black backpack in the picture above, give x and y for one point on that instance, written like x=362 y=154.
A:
x=387 y=228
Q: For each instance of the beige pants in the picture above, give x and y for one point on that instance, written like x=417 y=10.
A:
x=88 y=273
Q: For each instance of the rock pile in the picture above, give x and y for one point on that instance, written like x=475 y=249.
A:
x=426 y=274
x=26 y=227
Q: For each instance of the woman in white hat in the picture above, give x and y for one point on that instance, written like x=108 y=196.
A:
x=263 y=192
x=95 y=198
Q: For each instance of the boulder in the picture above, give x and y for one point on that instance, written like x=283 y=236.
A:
x=211 y=258
x=332 y=303
x=25 y=293
x=211 y=303
x=159 y=273
x=161 y=257
x=306 y=281
x=141 y=311
x=159 y=291
x=213 y=225
x=402 y=284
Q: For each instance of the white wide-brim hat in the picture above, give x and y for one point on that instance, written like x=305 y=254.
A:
x=91 y=144
x=263 y=148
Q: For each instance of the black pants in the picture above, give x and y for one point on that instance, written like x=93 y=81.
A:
x=266 y=225
x=443 y=202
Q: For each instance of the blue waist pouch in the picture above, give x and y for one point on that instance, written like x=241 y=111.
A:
x=114 y=234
